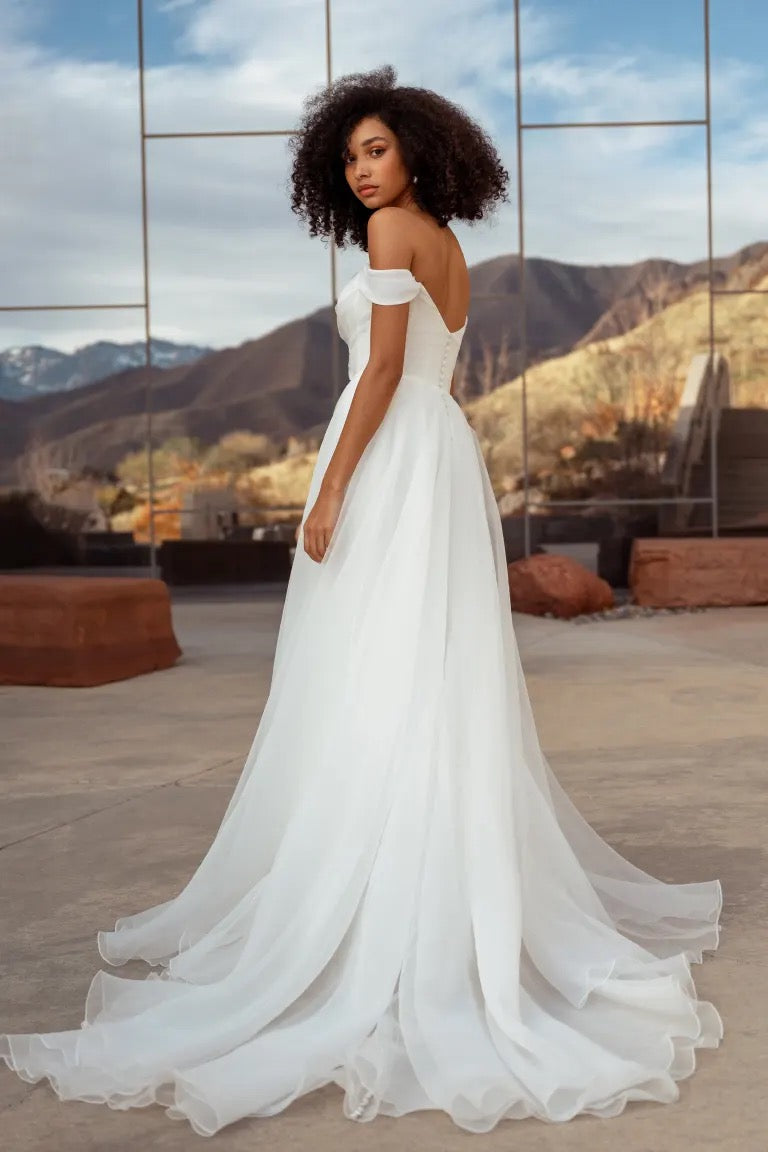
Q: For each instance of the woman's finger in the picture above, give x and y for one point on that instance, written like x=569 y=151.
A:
x=308 y=541
x=314 y=545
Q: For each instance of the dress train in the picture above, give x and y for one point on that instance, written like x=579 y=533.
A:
x=400 y=898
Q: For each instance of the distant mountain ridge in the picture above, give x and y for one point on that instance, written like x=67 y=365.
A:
x=35 y=370
x=283 y=383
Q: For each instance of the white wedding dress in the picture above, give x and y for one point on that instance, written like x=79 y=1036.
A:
x=400 y=899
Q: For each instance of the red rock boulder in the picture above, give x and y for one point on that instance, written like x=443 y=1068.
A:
x=78 y=631
x=556 y=584
x=685 y=573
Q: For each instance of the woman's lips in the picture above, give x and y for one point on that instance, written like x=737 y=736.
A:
x=367 y=190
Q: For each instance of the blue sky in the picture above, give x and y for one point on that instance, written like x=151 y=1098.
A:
x=106 y=29
x=219 y=224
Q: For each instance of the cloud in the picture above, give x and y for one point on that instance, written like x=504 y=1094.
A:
x=228 y=261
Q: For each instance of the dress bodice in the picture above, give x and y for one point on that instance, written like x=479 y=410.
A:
x=431 y=350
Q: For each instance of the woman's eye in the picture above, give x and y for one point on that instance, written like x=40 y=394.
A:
x=373 y=152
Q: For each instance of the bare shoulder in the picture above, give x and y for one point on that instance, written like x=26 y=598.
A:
x=453 y=240
x=390 y=238
x=388 y=218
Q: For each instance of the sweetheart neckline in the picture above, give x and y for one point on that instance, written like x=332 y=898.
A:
x=455 y=332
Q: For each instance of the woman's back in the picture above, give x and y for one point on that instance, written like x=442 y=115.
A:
x=440 y=266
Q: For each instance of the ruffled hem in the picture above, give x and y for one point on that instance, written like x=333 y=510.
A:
x=367 y=1081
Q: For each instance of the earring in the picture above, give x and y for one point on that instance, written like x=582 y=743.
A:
x=415 y=180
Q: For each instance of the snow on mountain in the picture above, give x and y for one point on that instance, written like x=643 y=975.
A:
x=34 y=370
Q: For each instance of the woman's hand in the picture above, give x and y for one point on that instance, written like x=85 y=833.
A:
x=319 y=525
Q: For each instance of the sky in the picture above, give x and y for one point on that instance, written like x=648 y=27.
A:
x=228 y=260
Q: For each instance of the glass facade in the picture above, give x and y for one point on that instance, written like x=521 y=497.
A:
x=614 y=367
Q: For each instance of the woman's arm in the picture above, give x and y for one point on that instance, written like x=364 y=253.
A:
x=388 y=247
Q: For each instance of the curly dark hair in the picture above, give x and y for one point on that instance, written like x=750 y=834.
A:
x=465 y=185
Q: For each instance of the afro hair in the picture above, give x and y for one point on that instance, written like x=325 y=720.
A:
x=460 y=175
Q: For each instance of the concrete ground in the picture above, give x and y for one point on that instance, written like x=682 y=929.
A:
x=657 y=727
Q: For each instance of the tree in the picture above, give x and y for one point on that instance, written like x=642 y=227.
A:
x=176 y=456
x=48 y=466
x=239 y=452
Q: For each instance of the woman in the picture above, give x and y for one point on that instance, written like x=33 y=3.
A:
x=400 y=898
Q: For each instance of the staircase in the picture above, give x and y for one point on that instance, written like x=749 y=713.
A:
x=742 y=473
x=742 y=458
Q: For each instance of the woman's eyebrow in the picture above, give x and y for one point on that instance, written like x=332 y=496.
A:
x=365 y=143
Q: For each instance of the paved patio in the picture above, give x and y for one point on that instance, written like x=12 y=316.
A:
x=657 y=727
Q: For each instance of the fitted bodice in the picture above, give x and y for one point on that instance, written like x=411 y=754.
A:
x=431 y=350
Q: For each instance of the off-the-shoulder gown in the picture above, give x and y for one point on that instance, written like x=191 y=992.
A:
x=400 y=898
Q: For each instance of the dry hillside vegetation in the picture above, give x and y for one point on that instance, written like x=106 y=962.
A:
x=264 y=475
x=599 y=417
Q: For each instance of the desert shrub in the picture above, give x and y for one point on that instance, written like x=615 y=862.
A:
x=299 y=445
x=240 y=451
x=178 y=455
x=285 y=482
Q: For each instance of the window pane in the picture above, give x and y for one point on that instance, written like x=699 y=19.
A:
x=598 y=60
x=616 y=195
x=64 y=380
x=69 y=132
x=231 y=268
x=232 y=65
x=228 y=259
x=630 y=290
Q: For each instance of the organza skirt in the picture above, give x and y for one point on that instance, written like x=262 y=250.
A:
x=400 y=898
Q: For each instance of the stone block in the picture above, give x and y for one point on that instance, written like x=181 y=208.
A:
x=689 y=573
x=78 y=631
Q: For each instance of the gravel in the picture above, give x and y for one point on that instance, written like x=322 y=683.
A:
x=631 y=612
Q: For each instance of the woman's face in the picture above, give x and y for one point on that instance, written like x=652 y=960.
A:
x=374 y=168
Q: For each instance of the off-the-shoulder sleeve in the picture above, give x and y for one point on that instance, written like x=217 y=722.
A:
x=388 y=285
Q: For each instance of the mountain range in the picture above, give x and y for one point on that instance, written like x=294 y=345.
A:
x=285 y=383
x=34 y=370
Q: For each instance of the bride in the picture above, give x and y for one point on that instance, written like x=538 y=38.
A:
x=400 y=899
